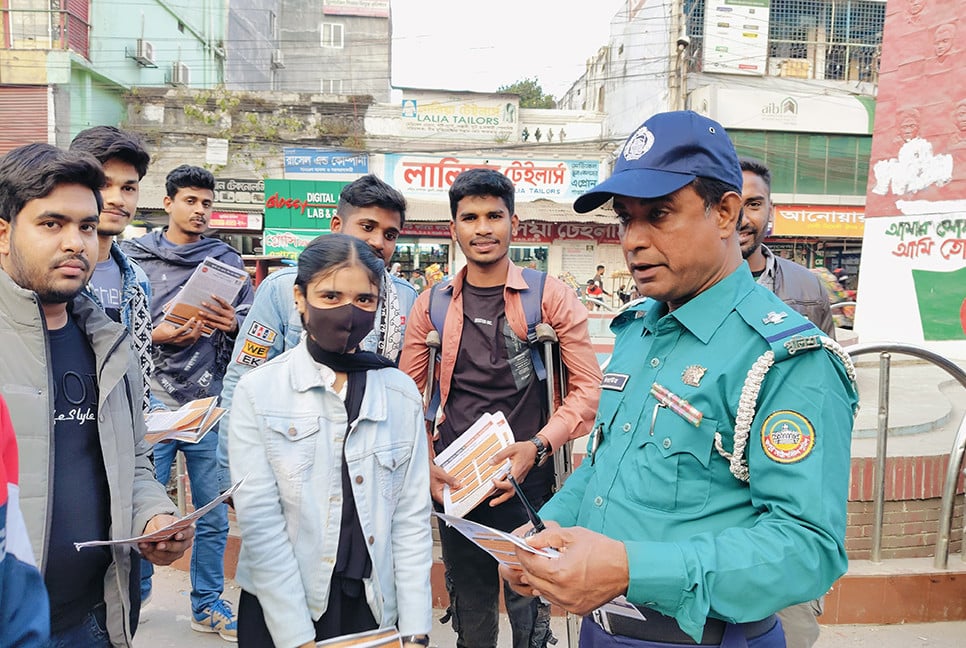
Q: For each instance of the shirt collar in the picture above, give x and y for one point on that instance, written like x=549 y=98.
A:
x=702 y=315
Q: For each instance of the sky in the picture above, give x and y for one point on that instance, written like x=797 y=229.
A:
x=483 y=44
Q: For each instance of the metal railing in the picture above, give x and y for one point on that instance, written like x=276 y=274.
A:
x=953 y=469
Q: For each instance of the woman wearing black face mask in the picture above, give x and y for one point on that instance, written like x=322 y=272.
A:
x=334 y=512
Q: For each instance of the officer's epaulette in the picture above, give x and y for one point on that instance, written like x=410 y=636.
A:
x=786 y=331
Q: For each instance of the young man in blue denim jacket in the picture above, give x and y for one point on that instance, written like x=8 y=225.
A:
x=369 y=210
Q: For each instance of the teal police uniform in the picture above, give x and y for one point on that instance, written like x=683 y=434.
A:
x=702 y=542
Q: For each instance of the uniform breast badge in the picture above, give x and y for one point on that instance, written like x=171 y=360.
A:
x=774 y=318
x=693 y=374
x=676 y=404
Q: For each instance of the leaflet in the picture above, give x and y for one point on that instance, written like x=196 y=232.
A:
x=190 y=422
x=502 y=546
x=169 y=531
x=211 y=277
x=499 y=544
x=378 y=638
x=468 y=460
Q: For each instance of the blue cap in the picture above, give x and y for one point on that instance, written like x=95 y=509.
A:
x=665 y=153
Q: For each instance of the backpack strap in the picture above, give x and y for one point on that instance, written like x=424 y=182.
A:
x=532 y=301
x=531 y=298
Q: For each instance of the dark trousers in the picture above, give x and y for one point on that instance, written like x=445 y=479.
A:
x=473 y=583
x=593 y=636
x=344 y=615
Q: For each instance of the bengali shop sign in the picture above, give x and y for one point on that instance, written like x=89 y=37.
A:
x=235 y=220
x=433 y=175
x=530 y=232
x=240 y=191
x=460 y=116
x=301 y=204
x=375 y=8
x=845 y=222
x=325 y=161
x=287 y=243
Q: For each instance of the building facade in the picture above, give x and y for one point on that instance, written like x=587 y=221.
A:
x=337 y=47
x=793 y=81
x=65 y=65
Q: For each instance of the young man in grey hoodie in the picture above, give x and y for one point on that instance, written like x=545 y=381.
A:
x=190 y=366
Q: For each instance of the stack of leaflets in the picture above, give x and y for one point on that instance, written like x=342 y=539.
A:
x=191 y=422
x=468 y=460
x=378 y=638
x=211 y=277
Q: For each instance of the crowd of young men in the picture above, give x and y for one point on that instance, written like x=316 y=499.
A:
x=87 y=352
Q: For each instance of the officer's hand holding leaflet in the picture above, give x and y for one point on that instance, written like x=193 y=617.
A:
x=590 y=571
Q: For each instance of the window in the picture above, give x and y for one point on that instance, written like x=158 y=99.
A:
x=810 y=163
x=331 y=86
x=332 y=35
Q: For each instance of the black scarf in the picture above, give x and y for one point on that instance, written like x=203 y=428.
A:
x=352 y=561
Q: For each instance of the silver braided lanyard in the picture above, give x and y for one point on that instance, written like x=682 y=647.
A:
x=749 y=400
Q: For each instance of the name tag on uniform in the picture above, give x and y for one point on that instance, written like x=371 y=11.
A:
x=614 y=381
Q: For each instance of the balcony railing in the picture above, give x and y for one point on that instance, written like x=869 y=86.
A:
x=38 y=29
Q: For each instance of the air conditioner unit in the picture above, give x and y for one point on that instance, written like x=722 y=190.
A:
x=144 y=54
x=278 y=62
x=180 y=74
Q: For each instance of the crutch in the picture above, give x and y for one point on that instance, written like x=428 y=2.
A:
x=431 y=404
x=562 y=459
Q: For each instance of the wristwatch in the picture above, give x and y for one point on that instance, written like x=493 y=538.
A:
x=421 y=640
x=543 y=450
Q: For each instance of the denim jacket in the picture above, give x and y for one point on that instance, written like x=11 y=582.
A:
x=272 y=326
x=136 y=317
x=287 y=438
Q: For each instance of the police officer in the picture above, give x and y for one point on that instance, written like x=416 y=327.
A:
x=714 y=491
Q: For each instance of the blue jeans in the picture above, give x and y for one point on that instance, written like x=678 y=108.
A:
x=90 y=632
x=211 y=531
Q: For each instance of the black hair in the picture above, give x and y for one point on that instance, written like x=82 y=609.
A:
x=600 y=267
x=110 y=143
x=712 y=190
x=331 y=252
x=370 y=191
x=35 y=170
x=481 y=182
x=188 y=176
x=757 y=167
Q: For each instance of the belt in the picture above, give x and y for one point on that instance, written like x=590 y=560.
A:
x=661 y=628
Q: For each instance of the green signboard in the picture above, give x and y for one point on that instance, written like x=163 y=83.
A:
x=301 y=204
x=287 y=243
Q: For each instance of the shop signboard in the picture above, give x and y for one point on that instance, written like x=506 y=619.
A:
x=373 y=8
x=240 y=191
x=432 y=175
x=235 y=220
x=462 y=116
x=325 y=161
x=287 y=243
x=736 y=36
x=530 y=232
x=819 y=221
x=301 y=204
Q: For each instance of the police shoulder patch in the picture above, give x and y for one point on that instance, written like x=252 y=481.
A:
x=787 y=436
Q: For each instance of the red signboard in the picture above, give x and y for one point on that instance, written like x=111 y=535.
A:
x=530 y=232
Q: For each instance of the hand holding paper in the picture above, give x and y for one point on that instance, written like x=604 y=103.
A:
x=164 y=552
x=171 y=528
x=468 y=461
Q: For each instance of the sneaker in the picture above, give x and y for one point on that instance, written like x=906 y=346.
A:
x=217 y=618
